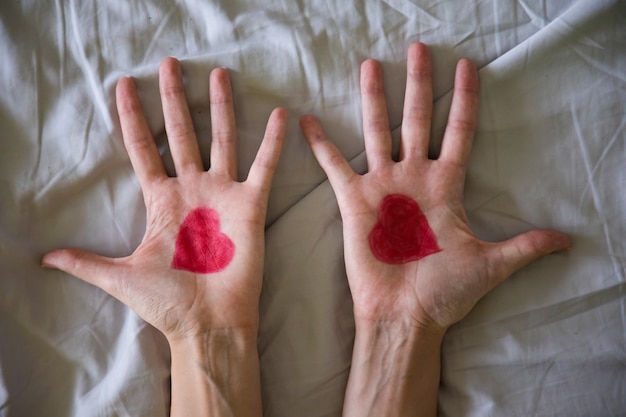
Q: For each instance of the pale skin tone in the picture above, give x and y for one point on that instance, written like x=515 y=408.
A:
x=210 y=320
x=403 y=311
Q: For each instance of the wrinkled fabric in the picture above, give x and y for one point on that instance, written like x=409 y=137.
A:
x=549 y=153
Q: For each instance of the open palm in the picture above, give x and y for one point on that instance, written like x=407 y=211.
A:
x=183 y=298
x=437 y=286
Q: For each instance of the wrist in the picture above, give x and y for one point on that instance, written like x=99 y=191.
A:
x=401 y=336
x=395 y=369
x=216 y=373
x=206 y=324
x=422 y=328
x=207 y=344
x=386 y=306
x=200 y=340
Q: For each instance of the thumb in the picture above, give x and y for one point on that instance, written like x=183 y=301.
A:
x=94 y=269
x=513 y=254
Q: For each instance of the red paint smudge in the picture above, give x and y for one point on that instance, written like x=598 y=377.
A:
x=402 y=233
x=200 y=246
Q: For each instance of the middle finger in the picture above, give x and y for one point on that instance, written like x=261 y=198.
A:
x=178 y=125
x=375 y=119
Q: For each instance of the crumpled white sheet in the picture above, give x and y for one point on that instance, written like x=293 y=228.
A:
x=549 y=152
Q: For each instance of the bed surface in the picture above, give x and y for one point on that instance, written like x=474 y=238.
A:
x=550 y=152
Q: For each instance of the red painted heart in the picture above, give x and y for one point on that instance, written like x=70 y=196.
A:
x=402 y=233
x=200 y=246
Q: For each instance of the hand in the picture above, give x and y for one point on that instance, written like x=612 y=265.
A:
x=441 y=274
x=175 y=292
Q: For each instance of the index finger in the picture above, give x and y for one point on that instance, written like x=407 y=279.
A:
x=264 y=165
x=337 y=169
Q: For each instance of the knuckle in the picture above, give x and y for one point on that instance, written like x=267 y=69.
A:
x=174 y=90
x=377 y=125
x=463 y=125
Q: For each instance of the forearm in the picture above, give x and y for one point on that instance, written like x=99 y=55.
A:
x=395 y=371
x=216 y=374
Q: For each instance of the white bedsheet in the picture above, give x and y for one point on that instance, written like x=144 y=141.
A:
x=550 y=152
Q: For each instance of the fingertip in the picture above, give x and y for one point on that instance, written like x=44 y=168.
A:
x=279 y=117
x=419 y=63
x=124 y=84
x=220 y=89
x=306 y=119
x=169 y=65
x=125 y=91
x=310 y=128
x=371 y=77
x=467 y=75
x=466 y=64
x=546 y=241
x=372 y=68
x=280 y=113
x=220 y=75
x=370 y=63
x=418 y=49
x=59 y=259
x=561 y=242
x=47 y=261
x=277 y=124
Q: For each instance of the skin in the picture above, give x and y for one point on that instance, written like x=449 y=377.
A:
x=402 y=311
x=210 y=320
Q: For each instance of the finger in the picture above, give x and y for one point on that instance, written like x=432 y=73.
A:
x=418 y=104
x=329 y=157
x=224 y=134
x=513 y=254
x=264 y=165
x=178 y=124
x=138 y=140
x=459 y=133
x=94 y=269
x=375 y=120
